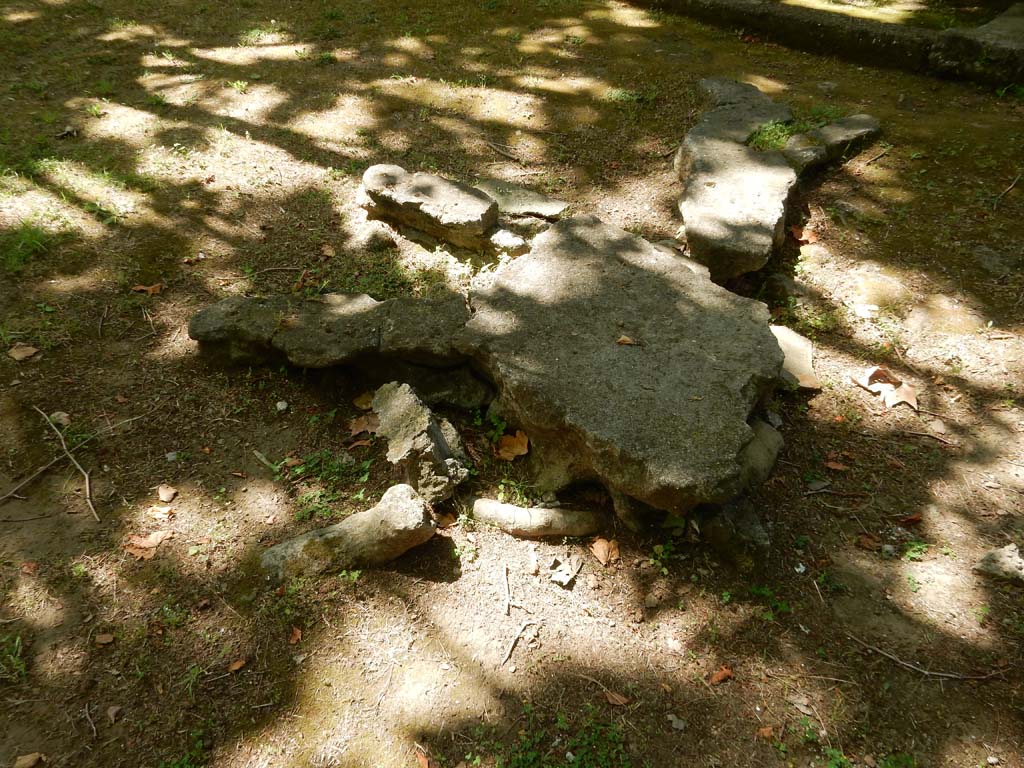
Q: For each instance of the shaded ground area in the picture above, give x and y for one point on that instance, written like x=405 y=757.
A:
x=157 y=157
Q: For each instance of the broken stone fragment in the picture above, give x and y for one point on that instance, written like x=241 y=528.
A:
x=508 y=243
x=734 y=200
x=759 y=455
x=447 y=210
x=831 y=142
x=671 y=247
x=798 y=362
x=1004 y=563
x=537 y=522
x=737 y=533
x=418 y=445
x=399 y=522
x=514 y=200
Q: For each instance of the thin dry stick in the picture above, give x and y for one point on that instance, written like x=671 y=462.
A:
x=91 y=723
x=920 y=669
x=13 y=492
x=64 y=445
x=1001 y=195
x=502 y=152
x=929 y=434
x=512 y=645
x=508 y=594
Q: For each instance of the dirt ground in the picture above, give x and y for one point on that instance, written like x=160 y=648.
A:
x=155 y=157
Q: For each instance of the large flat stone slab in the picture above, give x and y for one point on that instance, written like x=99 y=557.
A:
x=734 y=198
x=992 y=52
x=514 y=200
x=453 y=212
x=831 y=142
x=623 y=367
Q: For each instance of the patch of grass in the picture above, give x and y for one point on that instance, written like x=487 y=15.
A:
x=898 y=760
x=593 y=742
x=19 y=245
x=195 y=757
x=775 y=134
x=775 y=606
x=241 y=86
x=915 y=550
x=12 y=661
x=256 y=35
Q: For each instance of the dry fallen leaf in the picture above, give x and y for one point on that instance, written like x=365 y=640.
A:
x=30 y=761
x=723 y=674
x=236 y=665
x=835 y=466
x=879 y=380
x=424 y=760
x=510 y=446
x=327 y=250
x=21 y=352
x=615 y=699
x=368 y=423
x=364 y=402
x=869 y=541
x=295 y=636
x=605 y=551
x=360 y=443
x=104 y=639
x=803 y=236
x=112 y=713
x=292 y=461
x=161 y=513
x=626 y=341
x=30 y=568
x=913 y=519
x=144 y=547
x=150 y=290
x=765 y=733
x=166 y=492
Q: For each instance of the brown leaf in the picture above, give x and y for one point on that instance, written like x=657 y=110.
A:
x=367 y=423
x=869 y=541
x=879 y=380
x=120 y=399
x=153 y=540
x=112 y=713
x=766 y=733
x=236 y=665
x=327 y=250
x=30 y=568
x=161 y=513
x=510 y=446
x=360 y=443
x=836 y=466
x=104 y=639
x=295 y=636
x=605 y=551
x=150 y=290
x=626 y=341
x=139 y=553
x=423 y=760
x=615 y=699
x=723 y=674
x=913 y=519
x=166 y=492
x=803 y=236
x=292 y=461
x=21 y=352
x=364 y=402
x=29 y=761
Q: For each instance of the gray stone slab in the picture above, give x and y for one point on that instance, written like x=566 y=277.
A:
x=514 y=200
x=453 y=212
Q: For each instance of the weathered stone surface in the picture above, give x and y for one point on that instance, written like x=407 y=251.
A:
x=1004 y=563
x=448 y=210
x=671 y=248
x=798 y=362
x=514 y=200
x=417 y=444
x=758 y=456
x=399 y=522
x=734 y=201
x=993 y=51
x=331 y=330
x=507 y=242
x=736 y=532
x=941 y=314
x=662 y=420
x=807 y=151
x=537 y=522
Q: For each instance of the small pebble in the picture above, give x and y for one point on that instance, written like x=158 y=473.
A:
x=992 y=760
x=651 y=601
x=281 y=406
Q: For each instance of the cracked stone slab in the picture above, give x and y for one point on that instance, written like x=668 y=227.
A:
x=624 y=367
x=453 y=212
x=993 y=51
x=831 y=142
x=1004 y=563
x=332 y=329
x=734 y=199
x=514 y=200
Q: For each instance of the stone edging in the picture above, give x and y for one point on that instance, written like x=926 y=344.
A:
x=991 y=54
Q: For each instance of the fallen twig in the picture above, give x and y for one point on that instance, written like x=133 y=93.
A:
x=1001 y=195
x=512 y=645
x=71 y=456
x=22 y=519
x=264 y=461
x=929 y=434
x=91 y=723
x=13 y=491
x=508 y=593
x=921 y=670
x=497 y=148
